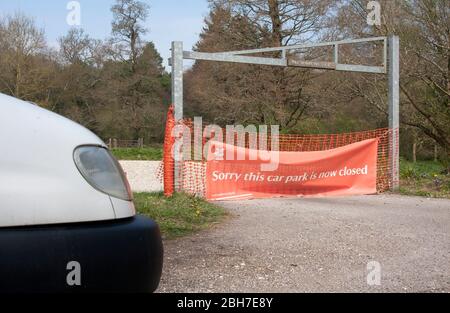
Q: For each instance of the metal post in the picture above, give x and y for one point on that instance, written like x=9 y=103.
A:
x=336 y=54
x=394 y=108
x=177 y=102
x=177 y=79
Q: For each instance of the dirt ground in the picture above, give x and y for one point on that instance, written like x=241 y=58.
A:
x=317 y=245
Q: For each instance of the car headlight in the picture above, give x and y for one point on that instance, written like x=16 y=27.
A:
x=102 y=171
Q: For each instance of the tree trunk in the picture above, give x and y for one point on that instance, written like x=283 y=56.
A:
x=133 y=49
x=274 y=12
x=18 y=76
x=281 y=95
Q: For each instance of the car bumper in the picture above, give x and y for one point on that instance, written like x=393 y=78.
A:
x=114 y=256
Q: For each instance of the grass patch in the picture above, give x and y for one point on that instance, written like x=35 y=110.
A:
x=179 y=215
x=425 y=179
x=136 y=154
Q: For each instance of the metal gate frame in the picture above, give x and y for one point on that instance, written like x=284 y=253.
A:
x=391 y=67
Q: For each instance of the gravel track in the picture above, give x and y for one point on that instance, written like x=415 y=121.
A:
x=317 y=245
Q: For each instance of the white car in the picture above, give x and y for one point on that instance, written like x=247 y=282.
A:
x=67 y=218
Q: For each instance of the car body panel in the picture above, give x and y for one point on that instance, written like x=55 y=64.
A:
x=122 y=208
x=39 y=181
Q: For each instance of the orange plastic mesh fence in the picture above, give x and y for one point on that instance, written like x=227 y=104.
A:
x=168 y=160
x=193 y=173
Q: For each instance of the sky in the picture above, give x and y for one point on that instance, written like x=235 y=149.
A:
x=169 y=20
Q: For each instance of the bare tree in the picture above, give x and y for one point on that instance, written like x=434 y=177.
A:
x=128 y=28
x=88 y=80
x=20 y=40
x=283 y=21
x=424 y=30
x=75 y=47
x=267 y=95
x=427 y=88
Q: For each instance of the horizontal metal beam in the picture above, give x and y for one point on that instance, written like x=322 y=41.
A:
x=282 y=62
x=233 y=58
x=302 y=46
x=312 y=64
x=360 y=68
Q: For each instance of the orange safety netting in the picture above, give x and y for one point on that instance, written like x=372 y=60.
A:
x=168 y=160
x=193 y=173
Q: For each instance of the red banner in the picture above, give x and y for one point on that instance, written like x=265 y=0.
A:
x=350 y=170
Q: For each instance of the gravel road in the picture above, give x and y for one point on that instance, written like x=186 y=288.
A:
x=317 y=245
